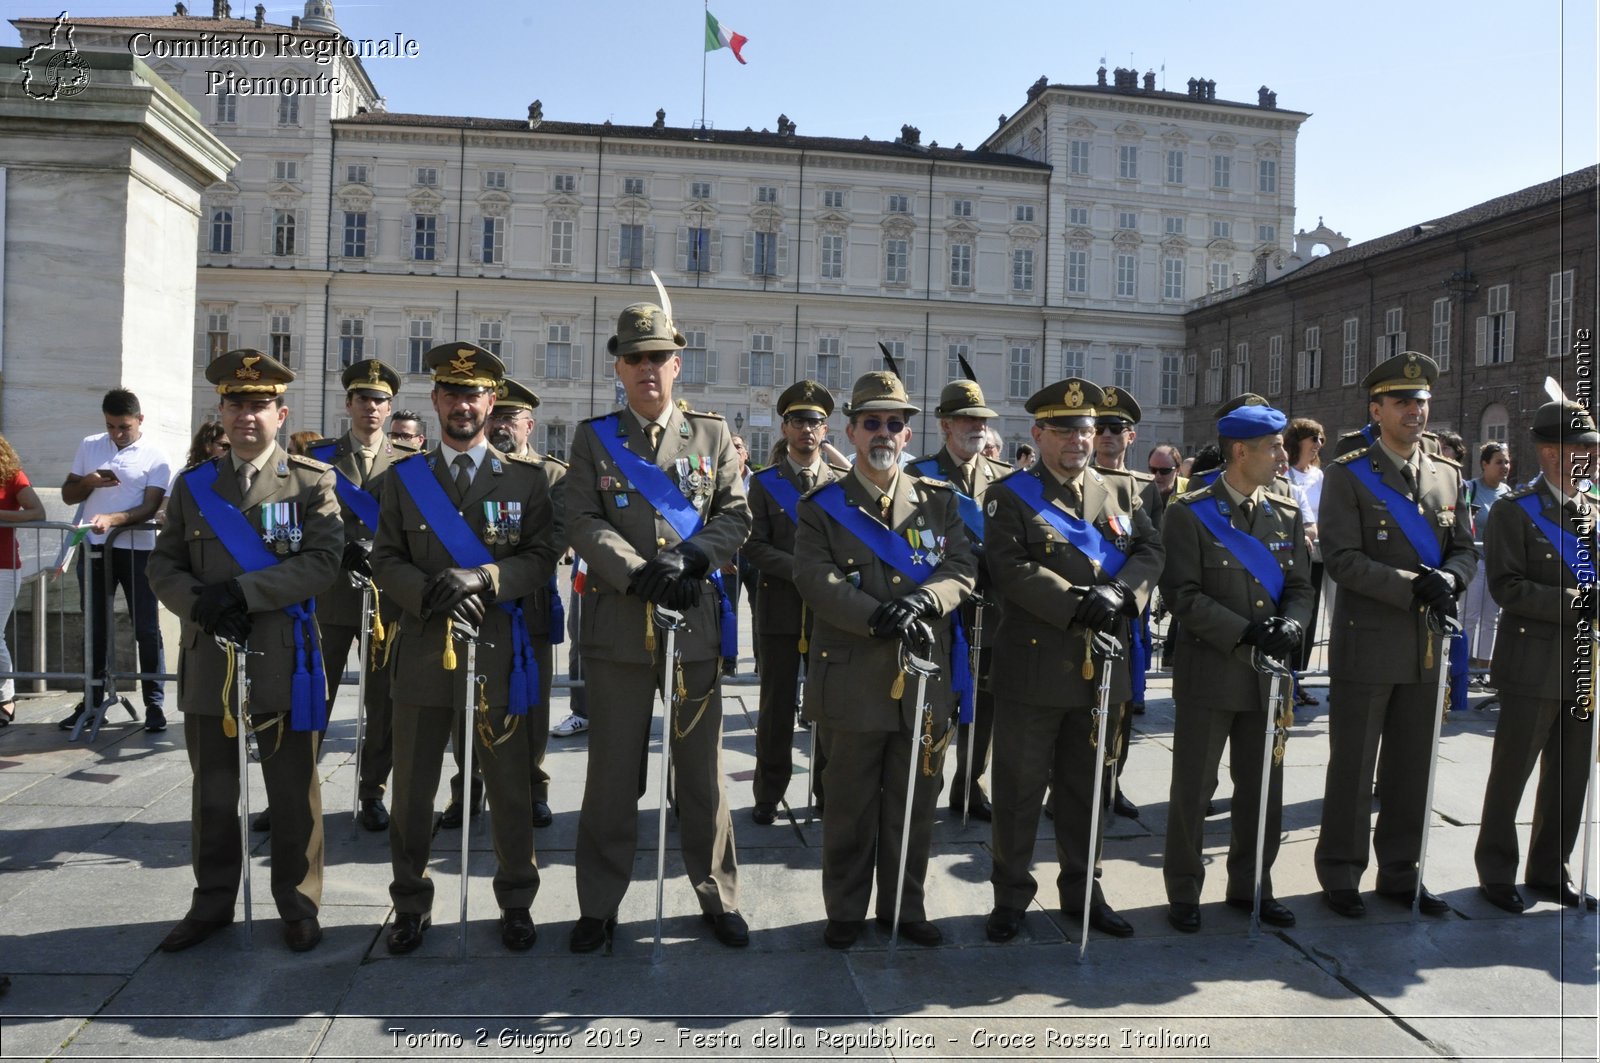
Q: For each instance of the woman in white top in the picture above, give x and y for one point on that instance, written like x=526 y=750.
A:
x=1480 y=615
x=1303 y=441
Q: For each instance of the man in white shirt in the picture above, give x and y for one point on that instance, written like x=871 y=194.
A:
x=119 y=477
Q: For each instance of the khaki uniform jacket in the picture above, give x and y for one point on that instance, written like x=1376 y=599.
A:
x=536 y=607
x=611 y=526
x=1214 y=598
x=1378 y=631
x=188 y=557
x=408 y=553
x=771 y=550
x=340 y=604
x=1535 y=652
x=844 y=582
x=1038 y=650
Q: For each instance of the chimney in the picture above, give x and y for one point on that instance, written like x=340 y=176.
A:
x=535 y=114
x=1194 y=88
x=1100 y=75
x=180 y=10
x=261 y=15
x=294 y=22
x=911 y=135
x=1149 y=81
x=219 y=9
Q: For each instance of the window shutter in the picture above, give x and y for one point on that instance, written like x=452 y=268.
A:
x=744 y=366
x=475 y=246
x=302 y=231
x=811 y=366
x=649 y=254
x=1483 y=340
x=714 y=238
x=1400 y=341
x=442 y=226
x=711 y=365
x=783 y=254
x=683 y=249
x=846 y=376
x=266 y=231
x=749 y=251
x=577 y=362
x=1511 y=335
x=372 y=234
x=614 y=249
x=1301 y=369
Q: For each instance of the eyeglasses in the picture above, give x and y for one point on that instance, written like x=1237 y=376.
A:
x=1162 y=470
x=397 y=436
x=1109 y=429
x=656 y=357
x=810 y=423
x=894 y=424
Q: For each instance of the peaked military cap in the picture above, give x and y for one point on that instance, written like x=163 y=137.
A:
x=1408 y=375
x=1564 y=422
x=247 y=371
x=464 y=365
x=878 y=391
x=1248 y=398
x=643 y=327
x=805 y=396
x=962 y=398
x=1116 y=404
x=511 y=395
x=1066 y=403
x=371 y=374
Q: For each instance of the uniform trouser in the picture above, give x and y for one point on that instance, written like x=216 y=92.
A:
x=420 y=734
x=621 y=706
x=1198 y=737
x=863 y=818
x=1036 y=746
x=1530 y=730
x=780 y=672
x=535 y=737
x=1387 y=727
x=377 y=744
x=290 y=770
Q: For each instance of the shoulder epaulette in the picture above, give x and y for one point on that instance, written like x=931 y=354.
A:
x=1127 y=473
x=1190 y=497
x=1283 y=500
x=557 y=462
x=598 y=417
x=704 y=413
x=838 y=468
x=1453 y=463
x=309 y=462
x=1351 y=455
x=525 y=459
x=933 y=481
x=1523 y=492
x=323 y=442
x=404 y=447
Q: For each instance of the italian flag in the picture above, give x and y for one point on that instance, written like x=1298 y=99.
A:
x=719 y=36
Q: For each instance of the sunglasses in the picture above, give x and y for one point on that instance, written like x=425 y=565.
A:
x=894 y=424
x=656 y=357
x=1109 y=429
x=399 y=436
x=797 y=421
x=1163 y=470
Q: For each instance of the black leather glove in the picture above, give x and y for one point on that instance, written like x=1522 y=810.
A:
x=235 y=627
x=447 y=589
x=355 y=561
x=469 y=611
x=918 y=634
x=1101 y=607
x=217 y=601
x=895 y=616
x=1282 y=639
x=683 y=594
x=1435 y=589
x=885 y=620
x=654 y=579
x=696 y=563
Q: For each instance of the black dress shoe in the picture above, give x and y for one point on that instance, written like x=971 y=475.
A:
x=517 y=931
x=155 y=719
x=407 y=932
x=1503 y=895
x=1565 y=894
x=1272 y=913
x=1347 y=903
x=71 y=721
x=1105 y=919
x=917 y=931
x=302 y=935
x=1184 y=916
x=841 y=933
x=591 y=932
x=729 y=927
x=191 y=931
x=541 y=814
x=1136 y=707
x=263 y=821
x=1004 y=923
x=1123 y=807
x=1428 y=903
x=373 y=815
x=979 y=809
x=765 y=813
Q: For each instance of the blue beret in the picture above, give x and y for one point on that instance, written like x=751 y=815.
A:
x=1249 y=422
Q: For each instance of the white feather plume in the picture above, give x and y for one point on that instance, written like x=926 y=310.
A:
x=666 y=300
x=1553 y=389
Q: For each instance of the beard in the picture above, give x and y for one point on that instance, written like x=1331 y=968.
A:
x=466 y=428
x=882 y=456
x=502 y=440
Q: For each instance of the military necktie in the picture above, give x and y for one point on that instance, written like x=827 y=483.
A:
x=363 y=463
x=654 y=431
x=808 y=480
x=247 y=476
x=1248 y=508
x=463 y=464
x=884 y=502
x=1410 y=475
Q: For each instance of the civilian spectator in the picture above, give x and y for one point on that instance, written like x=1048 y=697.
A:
x=1480 y=615
x=1303 y=443
x=406 y=427
x=1023 y=458
x=300 y=443
x=18 y=503
x=991 y=445
x=211 y=441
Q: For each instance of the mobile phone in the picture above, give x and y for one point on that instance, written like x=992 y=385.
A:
x=108 y=474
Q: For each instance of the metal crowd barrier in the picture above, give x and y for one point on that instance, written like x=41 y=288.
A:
x=104 y=556
x=45 y=560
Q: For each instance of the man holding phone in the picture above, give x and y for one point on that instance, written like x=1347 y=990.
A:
x=119 y=477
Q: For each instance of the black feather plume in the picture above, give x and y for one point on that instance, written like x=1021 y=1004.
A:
x=888 y=359
x=966 y=370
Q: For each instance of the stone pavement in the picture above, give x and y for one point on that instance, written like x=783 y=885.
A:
x=94 y=850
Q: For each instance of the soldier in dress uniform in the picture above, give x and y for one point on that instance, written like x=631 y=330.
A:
x=249 y=540
x=360 y=458
x=1237 y=578
x=881 y=555
x=511 y=426
x=962 y=415
x=781 y=617
x=631 y=473
x=1541 y=569
x=1392 y=541
x=1071 y=554
x=467 y=532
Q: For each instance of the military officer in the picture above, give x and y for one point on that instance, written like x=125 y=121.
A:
x=210 y=566
x=631 y=473
x=962 y=415
x=1071 y=553
x=881 y=555
x=466 y=533
x=360 y=458
x=1237 y=577
x=1392 y=542
x=511 y=425
x=1541 y=570
x=781 y=617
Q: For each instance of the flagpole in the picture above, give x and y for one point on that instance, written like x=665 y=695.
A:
x=703 y=53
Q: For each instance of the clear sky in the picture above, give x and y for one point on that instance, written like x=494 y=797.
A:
x=1417 y=109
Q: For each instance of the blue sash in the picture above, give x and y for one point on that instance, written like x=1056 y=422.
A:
x=1579 y=562
x=971 y=512
x=558 y=615
x=782 y=491
x=897 y=552
x=1413 y=525
x=308 y=690
x=1080 y=533
x=466 y=551
x=674 y=507
x=1249 y=551
x=357 y=500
